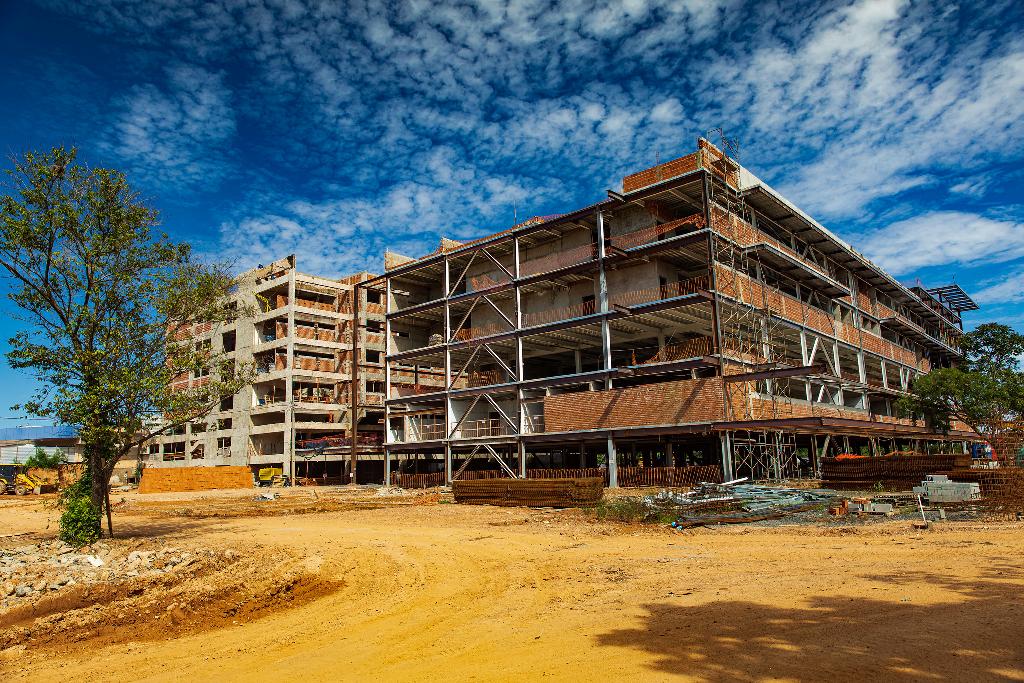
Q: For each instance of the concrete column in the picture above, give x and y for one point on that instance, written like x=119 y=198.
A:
x=448 y=464
x=727 y=472
x=387 y=380
x=520 y=399
x=522 y=459
x=448 y=423
x=289 y=411
x=602 y=299
x=613 y=465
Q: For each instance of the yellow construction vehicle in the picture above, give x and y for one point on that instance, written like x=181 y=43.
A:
x=16 y=479
x=271 y=476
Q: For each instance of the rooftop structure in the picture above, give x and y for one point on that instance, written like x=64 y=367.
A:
x=697 y=318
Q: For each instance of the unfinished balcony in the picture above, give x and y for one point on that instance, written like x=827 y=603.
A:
x=485 y=416
x=485 y=427
x=488 y=268
x=481 y=365
x=317 y=332
x=417 y=427
x=316 y=362
x=797 y=260
x=266 y=395
x=486 y=316
x=678 y=233
x=316 y=393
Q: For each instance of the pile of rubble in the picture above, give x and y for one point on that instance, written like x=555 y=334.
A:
x=735 y=502
x=31 y=571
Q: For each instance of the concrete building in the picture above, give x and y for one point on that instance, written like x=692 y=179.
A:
x=297 y=413
x=696 y=319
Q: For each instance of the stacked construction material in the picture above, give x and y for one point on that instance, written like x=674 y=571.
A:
x=888 y=470
x=669 y=476
x=172 y=479
x=937 y=488
x=529 y=492
x=628 y=476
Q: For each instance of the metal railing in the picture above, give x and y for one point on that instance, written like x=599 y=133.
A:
x=691 y=348
x=561 y=259
x=656 y=233
x=661 y=292
x=562 y=313
x=487 y=427
x=427 y=432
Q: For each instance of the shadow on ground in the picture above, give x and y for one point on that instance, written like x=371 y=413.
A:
x=141 y=527
x=975 y=633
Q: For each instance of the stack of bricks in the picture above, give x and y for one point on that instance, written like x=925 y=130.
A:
x=173 y=479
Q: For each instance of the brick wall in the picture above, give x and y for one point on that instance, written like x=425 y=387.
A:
x=171 y=479
x=680 y=402
x=650 y=176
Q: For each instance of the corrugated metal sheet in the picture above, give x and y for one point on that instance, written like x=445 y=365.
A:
x=17 y=454
x=34 y=432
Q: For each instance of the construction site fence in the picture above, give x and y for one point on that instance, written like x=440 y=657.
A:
x=627 y=476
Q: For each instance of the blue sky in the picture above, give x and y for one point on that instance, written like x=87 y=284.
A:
x=265 y=127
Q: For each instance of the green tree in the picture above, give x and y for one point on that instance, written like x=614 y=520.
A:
x=44 y=460
x=109 y=310
x=985 y=391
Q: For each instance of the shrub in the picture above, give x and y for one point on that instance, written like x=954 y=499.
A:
x=80 y=522
x=627 y=509
x=44 y=460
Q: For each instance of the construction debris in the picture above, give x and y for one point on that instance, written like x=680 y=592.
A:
x=736 y=503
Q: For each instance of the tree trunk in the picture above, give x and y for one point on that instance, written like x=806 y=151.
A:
x=110 y=521
x=99 y=480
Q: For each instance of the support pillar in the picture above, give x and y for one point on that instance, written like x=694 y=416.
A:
x=387 y=468
x=727 y=473
x=522 y=460
x=602 y=302
x=613 y=465
x=448 y=464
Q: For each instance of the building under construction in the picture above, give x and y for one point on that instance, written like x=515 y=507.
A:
x=297 y=415
x=696 y=319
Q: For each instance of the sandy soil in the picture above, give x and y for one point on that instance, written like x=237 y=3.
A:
x=349 y=585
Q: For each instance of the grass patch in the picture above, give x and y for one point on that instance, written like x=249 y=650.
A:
x=633 y=509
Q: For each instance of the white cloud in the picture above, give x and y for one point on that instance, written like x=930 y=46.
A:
x=1008 y=290
x=176 y=135
x=872 y=100
x=444 y=113
x=944 y=237
x=339 y=236
x=975 y=186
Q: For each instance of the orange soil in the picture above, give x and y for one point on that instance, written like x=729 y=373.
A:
x=353 y=586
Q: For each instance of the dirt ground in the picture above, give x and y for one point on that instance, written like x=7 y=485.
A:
x=346 y=584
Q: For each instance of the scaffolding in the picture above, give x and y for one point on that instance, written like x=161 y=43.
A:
x=747 y=328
